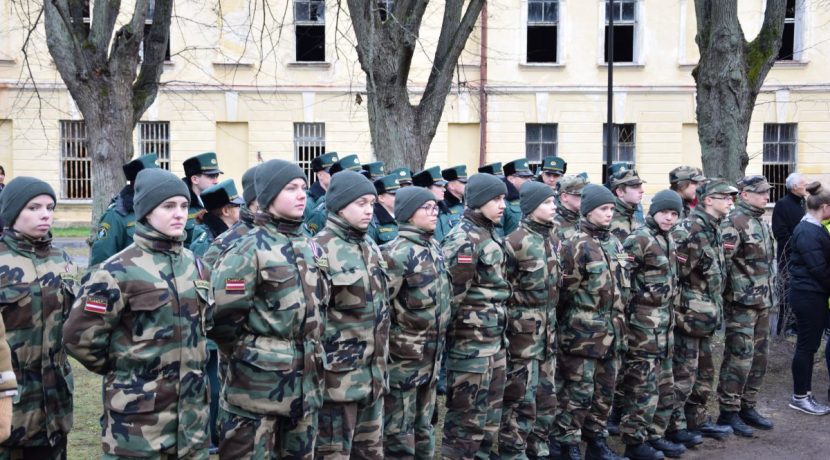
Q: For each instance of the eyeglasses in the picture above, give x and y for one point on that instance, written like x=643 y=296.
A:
x=429 y=209
x=721 y=197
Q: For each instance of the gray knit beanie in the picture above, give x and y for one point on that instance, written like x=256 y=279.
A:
x=532 y=194
x=271 y=177
x=345 y=187
x=248 y=188
x=408 y=200
x=481 y=188
x=17 y=193
x=594 y=196
x=152 y=186
x=665 y=199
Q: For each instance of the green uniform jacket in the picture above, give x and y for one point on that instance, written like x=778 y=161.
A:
x=192 y=213
x=384 y=227
x=420 y=291
x=595 y=289
x=566 y=223
x=750 y=255
x=702 y=274
x=140 y=321
x=476 y=260
x=313 y=195
x=652 y=259
x=205 y=232
x=224 y=241
x=512 y=216
x=533 y=271
x=356 y=335
x=625 y=220
x=268 y=294
x=37 y=287
x=115 y=229
x=450 y=212
x=316 y=219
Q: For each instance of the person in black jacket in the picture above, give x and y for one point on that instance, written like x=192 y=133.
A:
x=787 y=213
x=809 y=292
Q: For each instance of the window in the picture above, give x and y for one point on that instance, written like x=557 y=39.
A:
x=385 y=9
x=780 y=142
x=310 y=30
x=541 y=140
x=154 y=137
x=76 y=174
x=542 y=30
x=623 y=145
x=787 y=51
x=309 y=143
x=148 y=24
x=625 y=29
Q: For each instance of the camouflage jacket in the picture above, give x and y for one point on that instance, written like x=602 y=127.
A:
x=419 y=290
x=533 y=272
x=268 y=292
x=115 y=229
x=476 y=259
x=356 y=318
x=624 y=221
x=224 y=241
x=384 y=227
x=702 y=272
x=140 y=321
x=652 y=260
x=37 y=287
x=566 y=223
x=750 y=257
x=595 y=289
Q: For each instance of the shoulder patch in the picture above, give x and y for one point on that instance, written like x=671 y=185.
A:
x=234 y=285
x=202 y=284
x=96 y=304
x=103 y=230
x=465 y=258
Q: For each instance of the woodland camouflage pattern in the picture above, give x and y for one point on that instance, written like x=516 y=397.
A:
x=420 y=311
x=37 y=287
x=625 y=220
x=149 y=343
x=224 y=241
x=533 y=271
x=566 y=222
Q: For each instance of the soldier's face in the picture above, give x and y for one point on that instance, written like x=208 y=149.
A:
x=456 y=188
x=359 y=212
x=688 y=192
x=631 y=194
x=601 y=215
x=170 y=216
x=323 y=177
x=494 y=209
x=517 y=181
x=426 y=216
x=545 y=212
x=666 y=219
x=35 y=219
x=387 y=200
x=550 y=179
x=203 y=181
x=438 y=191
x=718 y=205
x=759 y=200
x=570 y=202
x=290 y=202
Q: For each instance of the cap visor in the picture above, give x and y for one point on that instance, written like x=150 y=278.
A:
x=440 y=182
x=212 y=171
x=238 y=200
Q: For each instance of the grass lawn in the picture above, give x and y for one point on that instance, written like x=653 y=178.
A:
x=85 y=438
x=70 y=232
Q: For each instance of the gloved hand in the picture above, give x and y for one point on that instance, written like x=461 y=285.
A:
x=5 y=417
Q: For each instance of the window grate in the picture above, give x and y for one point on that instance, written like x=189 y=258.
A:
x=309 y=143
x=780 y=153
x=154 y=137
x=541 y=140
x=76 y=173
x=623 y=147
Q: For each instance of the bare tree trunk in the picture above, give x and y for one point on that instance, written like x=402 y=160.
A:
x=729 y=76
x=401 y=131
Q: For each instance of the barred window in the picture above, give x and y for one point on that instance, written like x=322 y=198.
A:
x=780 y=142
x=310 y=30
x=154 y=137
x=309 y=143
x=542 y=30
x=623 y=145
x=76 y=173
x=541 y=140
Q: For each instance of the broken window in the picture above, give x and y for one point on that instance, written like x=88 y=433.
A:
x=541 y=141
x=787 y=51
x=780 y=141
x=625 y=29
x=310 y=30
x=623 y=145
x=542 y=30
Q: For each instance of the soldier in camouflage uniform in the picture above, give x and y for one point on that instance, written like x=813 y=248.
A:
x=591 y=327
x=551 y=171
x=200 y=172
x=384 y=227
x=320 y=167
x=420 y=293
x=268 y=292
x=648 y=383
x=516 y=173
x=117 y=224
x=533 y=272
x=356 y=319
x=37 y=287
x=700 y=311
x=222 y=203
x=140 y=321
x=684 y=180
x=245 y=223
x=749 y=252
x=566 y=222
x=316 y=220
x=476 y=363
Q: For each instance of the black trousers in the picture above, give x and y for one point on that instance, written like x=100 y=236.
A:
x=812 y=315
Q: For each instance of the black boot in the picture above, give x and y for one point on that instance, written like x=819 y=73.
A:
x=752 y=418
x=597 y=449
x=732 y=419
x=614 y=419
x=570 y=452
x=668 y=448
x=712 y=430
x=685 y=437
x=642 y=451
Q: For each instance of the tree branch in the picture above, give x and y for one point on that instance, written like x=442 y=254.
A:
x=105 y=14
x=763 y=51
x=146 y=85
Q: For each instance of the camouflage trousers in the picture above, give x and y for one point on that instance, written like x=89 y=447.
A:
x=648 y=396
x=475 y=391
x=266 y=437
x=350 y=430
x=56 y=452
x=546 y=407
x=518 y=415
x=744 y=357
x=199 y=455
x=585 y=397
x=694 y=376
x=407 y=422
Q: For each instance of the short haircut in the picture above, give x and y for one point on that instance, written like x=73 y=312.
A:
x=793 y=179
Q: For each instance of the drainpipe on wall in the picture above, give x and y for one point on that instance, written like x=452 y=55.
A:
x=482 y=92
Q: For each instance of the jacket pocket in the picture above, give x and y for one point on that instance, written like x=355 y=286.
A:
x=16 y=305
x=265 y=376
x=131 y=397
x=280 y=284
x=152 y=315
x=418 y=296
x=348 y=290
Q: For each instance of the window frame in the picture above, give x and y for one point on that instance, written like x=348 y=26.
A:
x=638 y=46
x=74 y=155
x=541 y=142
x=799 y=22
x=779 y=187
x=558 y=24
x=615 y=156
x=320 y=22
x=162 y=138
x=310 y=136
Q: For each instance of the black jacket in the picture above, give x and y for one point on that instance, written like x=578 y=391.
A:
x=786 y=215
x=810 y=259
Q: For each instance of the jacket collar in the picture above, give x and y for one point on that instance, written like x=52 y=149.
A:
x=536 y=227
x=345 y=231
x=278 y=224
x=749 y=209
x=382 y=215
x=600 y=233
x=451 y=200
x=478 y=219
x=24 y=244
x=414 y=234
x=567 y=214
x=150 y=239
x=624 y=208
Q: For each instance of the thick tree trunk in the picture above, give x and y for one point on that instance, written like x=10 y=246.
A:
x=729 y=76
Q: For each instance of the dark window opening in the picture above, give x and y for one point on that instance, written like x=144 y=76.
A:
x=146 y=42
x=309 y=143
x=623 y=43
x=787 y=51
x=311 y=43
x=542 y=43
x=780 y=142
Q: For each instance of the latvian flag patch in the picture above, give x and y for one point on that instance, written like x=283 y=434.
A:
x=234 y=285
x=728 y=246
x=96 y=305
x=465 y=258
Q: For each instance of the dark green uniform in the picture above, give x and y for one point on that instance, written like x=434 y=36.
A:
x=115 y=229
x=383 y=227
